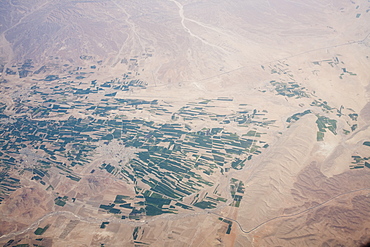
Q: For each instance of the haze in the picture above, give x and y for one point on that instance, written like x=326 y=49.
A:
x=184 y=123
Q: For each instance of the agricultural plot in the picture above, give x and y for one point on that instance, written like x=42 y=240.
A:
x=237 y=190
x=360 y=162
x=8 y=184
x=172 y=160
x=204 y=110
x=295 y=117
x=229 y=224
x=324 y=123
x=164 y=164
x=40 y=231
x=346 y=72
x=323 y=105
x=61 y=201
x=279 y=68
x=292 y=88
x=335 y=62
x=289 y=89
x=285 y=85
x=104 y=224
x=165 y=167
x=146 y=203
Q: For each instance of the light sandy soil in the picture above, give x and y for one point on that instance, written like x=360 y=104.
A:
x=299 y=191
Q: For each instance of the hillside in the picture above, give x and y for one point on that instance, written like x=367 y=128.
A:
x=184 y=123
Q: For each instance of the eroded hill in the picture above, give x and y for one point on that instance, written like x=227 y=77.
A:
x=184 y=123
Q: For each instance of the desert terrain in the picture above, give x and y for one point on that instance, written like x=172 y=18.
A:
x=184 y=123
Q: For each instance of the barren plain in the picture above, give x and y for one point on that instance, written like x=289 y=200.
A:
x=184 y=123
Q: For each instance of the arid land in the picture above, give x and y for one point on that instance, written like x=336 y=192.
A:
x=184 y=123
